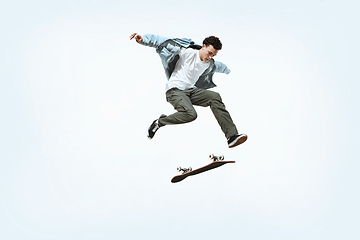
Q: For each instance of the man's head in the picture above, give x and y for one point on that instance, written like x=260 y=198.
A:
x=211 y=46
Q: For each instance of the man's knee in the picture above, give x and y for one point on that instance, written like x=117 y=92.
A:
x=216 y=101
x=191 y=115
x=214 y=96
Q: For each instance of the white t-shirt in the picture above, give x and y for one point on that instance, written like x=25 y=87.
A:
x=187 y=70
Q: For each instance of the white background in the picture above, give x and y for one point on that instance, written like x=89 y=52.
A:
x=77 y=98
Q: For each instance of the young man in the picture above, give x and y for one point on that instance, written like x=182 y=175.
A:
x=189 y=69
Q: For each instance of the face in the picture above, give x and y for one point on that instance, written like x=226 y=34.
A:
x=207 y=52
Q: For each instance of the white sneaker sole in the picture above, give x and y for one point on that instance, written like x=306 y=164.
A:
x=239 y=140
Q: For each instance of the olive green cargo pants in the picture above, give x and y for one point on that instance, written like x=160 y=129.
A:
x=184 y=101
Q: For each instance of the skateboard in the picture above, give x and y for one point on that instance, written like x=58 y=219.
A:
x=217 y=162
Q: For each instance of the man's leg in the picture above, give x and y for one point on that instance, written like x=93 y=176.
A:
x=182 y=104
x=205 y=98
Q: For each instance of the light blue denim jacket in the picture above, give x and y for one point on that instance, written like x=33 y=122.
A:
x=169 y=49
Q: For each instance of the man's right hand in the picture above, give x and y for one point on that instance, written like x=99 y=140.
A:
x=137 y=37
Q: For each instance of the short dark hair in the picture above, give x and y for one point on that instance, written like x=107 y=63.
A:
x=214 y=41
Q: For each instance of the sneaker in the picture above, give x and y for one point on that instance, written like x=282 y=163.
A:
x=236 y=140
x=154 y=127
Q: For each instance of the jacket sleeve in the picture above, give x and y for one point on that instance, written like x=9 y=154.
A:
x=151 y=40
x=221 y=68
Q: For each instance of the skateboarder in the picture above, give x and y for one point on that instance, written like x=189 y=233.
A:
x=189 y=69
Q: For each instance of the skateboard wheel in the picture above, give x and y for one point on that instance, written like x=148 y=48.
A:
x=178 y=169
x=211 y=156
x=190 y=169
x=221 y=157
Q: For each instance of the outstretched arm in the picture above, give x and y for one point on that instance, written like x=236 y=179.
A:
x=149 y=40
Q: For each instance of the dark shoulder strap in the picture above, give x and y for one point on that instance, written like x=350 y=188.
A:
x=195 y=46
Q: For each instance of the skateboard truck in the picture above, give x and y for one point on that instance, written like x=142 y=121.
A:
x=216 y=158
x=184 y=170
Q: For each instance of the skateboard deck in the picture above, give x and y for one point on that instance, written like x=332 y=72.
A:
x=218 y=161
